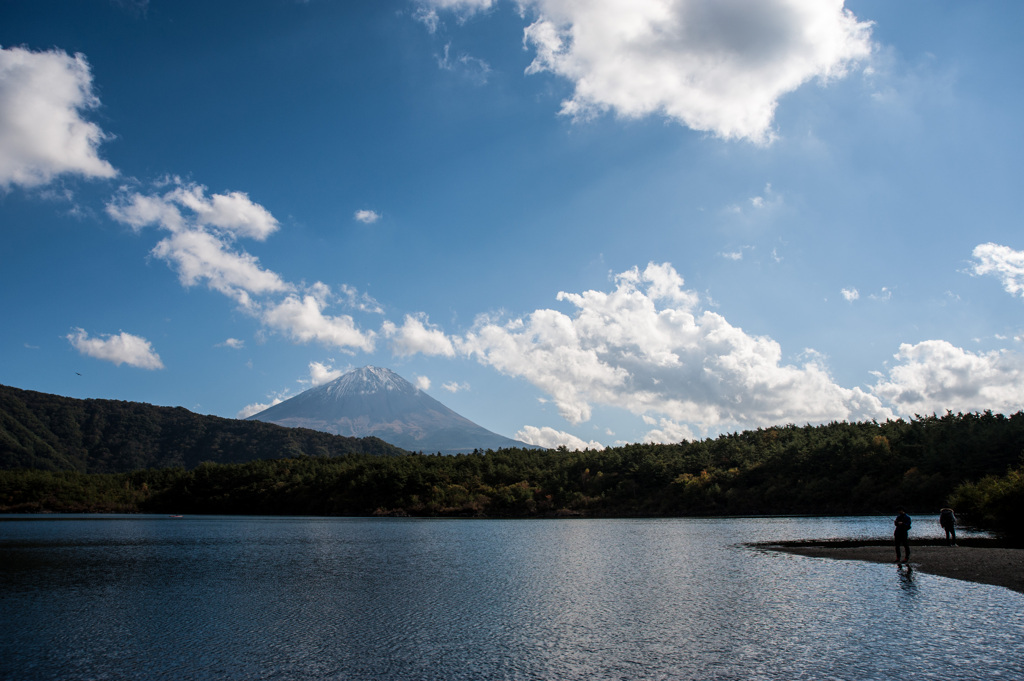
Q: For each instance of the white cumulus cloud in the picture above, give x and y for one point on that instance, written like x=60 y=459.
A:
x=42 y=133
x=122 y=348
x=202 y=235
x=552 y=439
x=417 y=335
x=850 y=294
x=320 y=373
x=719 y=66
x=647 y=347
x=233 y=212
x=201 y=256
x=201 y=247
x=303 y=319
x=934 y=375
x=1002 y=262
x=423 y=383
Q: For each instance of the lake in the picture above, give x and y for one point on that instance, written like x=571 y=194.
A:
x=152 y=597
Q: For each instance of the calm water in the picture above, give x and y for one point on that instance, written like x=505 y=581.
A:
x=315 y=598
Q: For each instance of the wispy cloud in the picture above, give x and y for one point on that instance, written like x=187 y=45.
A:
x=471 y=68
x=884 y=294
x=358 y=300
x=426 y=12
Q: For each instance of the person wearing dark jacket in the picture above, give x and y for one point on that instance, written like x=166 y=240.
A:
x=948 y=522
x=901 y=536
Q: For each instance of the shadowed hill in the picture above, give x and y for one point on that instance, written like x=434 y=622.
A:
x=50 y=432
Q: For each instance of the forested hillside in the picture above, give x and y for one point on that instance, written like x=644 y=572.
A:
x=49 y=432
x=838 y=468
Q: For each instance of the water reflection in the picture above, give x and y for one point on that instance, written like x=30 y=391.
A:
x=906 y=573
x=295 y=598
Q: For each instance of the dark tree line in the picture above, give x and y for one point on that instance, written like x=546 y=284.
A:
x=50 y=432
x=971 y=460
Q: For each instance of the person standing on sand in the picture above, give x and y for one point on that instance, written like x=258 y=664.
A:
x=948 y=522
x=901 y=535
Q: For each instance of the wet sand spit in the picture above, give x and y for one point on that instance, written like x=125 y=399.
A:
x=984 y=561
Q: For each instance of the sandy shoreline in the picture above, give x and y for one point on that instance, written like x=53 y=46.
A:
x=981 y=561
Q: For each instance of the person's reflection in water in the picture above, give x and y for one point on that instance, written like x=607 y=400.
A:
x=906 y=574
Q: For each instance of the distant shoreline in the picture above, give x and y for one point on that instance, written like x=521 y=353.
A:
x=980 y=560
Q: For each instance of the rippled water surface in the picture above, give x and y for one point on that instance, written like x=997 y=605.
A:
x=316 y=598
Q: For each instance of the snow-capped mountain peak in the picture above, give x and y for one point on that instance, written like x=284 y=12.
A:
x=373 y=401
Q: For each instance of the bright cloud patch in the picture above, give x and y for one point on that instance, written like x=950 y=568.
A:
x=201 y=247
x=646 y=347
x=367 y=217
x=1002 y=262
x=123 y=348
x=553 y=439
x=416 y=335
x=201 y=256
x=320 y=373
x=234 y=212
x=667 y=431
x=303 y=319
x=935 y=375
x=713 y=65
x=42 y=132
x=256 y=407
x=202 y=233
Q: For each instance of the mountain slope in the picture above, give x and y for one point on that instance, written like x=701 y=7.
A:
x=43 y=431
x=377 y=402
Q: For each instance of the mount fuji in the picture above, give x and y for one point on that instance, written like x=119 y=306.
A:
x=377 y=402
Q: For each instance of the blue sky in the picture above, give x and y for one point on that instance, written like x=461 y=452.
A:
x=574 y=223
